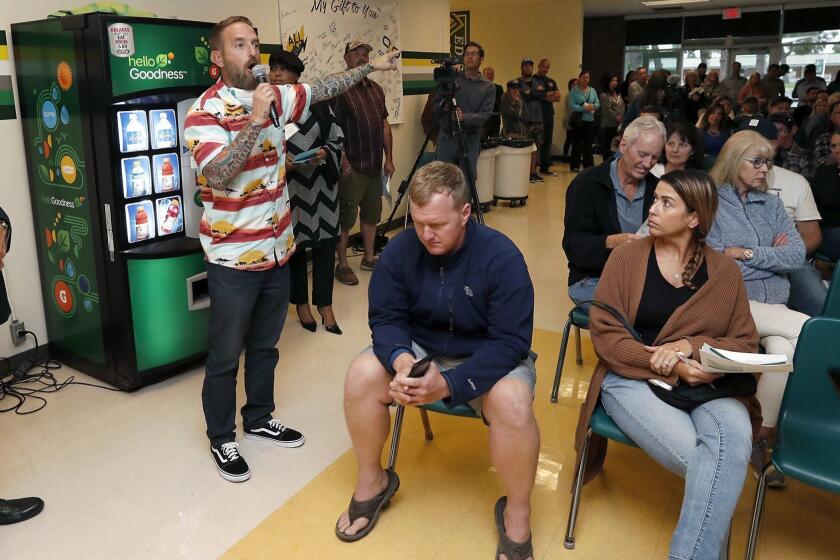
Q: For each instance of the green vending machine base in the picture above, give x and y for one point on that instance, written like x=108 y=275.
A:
x=169 y=309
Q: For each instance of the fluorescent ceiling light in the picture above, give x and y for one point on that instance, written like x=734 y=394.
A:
x=660 y=3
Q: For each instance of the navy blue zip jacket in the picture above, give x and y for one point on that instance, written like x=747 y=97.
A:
x=476 y=303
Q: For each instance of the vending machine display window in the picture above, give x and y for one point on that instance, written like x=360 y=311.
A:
x=133 y=130
x=164 y=128
x=138 y=221
x=136 y=177
x=170 y=218
x=167 y=173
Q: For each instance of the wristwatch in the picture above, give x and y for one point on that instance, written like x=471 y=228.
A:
x=748 y=254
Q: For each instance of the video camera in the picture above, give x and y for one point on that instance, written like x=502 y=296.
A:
x=446 y=73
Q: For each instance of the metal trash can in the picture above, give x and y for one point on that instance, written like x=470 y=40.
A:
x=513 y=168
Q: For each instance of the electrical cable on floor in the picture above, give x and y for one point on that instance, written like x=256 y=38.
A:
x=21 y=386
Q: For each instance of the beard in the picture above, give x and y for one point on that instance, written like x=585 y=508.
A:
x=241 y=79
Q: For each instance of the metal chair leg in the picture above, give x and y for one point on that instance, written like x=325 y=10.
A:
x=578 y=353
x=758 y=509
x=395 y=437
x=569 y=542
x=427 y=427
x=560 y=358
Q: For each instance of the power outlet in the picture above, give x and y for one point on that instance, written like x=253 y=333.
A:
x=16 y=329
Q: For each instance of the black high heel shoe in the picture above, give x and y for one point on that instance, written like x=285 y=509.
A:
x=311 y=326
x=334 y=328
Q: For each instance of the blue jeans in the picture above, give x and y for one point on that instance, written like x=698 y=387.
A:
x=247 y=311
x=583 y=290
x=807 y=291
x=831 y=242
x=709 y=447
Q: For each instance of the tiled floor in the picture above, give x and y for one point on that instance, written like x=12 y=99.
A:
x=129 y=475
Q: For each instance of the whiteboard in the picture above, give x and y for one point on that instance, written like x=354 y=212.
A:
x=318 y=30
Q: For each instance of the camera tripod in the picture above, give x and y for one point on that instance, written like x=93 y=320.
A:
x=463 y=155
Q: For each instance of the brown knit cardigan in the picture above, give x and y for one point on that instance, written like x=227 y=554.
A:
x=718 y=314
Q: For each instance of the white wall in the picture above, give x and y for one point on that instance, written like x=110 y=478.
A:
x=424 y=27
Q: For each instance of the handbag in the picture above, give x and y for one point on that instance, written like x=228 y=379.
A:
x=682 y=395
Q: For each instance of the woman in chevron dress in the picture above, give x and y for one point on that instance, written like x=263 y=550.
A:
x=314 y=200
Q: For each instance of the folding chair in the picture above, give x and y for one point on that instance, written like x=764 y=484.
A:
x=461 y=410
x=579 y=319
x=808 y=434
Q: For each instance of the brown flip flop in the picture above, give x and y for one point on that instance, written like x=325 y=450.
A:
x=369 y=509
x=512 y=550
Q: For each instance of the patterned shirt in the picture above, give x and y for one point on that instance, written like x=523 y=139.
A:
x=248 y=225
x=360 y=112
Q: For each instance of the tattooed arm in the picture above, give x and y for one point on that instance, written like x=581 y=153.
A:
x=230 y=161
x=338 y=83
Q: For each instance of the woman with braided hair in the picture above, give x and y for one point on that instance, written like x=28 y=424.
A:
x=678 y=294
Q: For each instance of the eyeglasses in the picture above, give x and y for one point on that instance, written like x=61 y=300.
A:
x=759 y=161
x=835 y=146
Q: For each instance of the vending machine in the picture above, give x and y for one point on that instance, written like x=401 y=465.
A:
x=114 y=198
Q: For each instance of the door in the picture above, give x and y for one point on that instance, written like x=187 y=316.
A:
x=751 y=59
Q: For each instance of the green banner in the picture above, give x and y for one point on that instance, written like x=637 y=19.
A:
x=154 y=56
x=459 y=32
x=52 y=126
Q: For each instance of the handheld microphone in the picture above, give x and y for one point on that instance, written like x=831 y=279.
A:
x=260 y=72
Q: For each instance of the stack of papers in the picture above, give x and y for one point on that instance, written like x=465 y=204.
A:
x=715 y=360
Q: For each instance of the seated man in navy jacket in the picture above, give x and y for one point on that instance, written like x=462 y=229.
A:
x=458 y=291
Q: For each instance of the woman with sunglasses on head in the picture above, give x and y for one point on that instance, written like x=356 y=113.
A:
x=753 y=228
x=683 y=149
x=677 y=293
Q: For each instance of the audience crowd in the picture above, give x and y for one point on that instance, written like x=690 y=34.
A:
x=701 y=223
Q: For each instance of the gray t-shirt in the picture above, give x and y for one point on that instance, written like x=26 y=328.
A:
x=631 y=213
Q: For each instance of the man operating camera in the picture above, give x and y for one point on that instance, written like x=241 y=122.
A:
x=474 y=97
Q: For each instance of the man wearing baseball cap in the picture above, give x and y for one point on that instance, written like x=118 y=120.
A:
x=363 y=117
x=533 y=93
x=807 y=291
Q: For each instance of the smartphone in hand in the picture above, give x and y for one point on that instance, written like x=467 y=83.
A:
x=420 y=367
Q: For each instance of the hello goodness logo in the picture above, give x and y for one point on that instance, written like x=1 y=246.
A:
x=158 y=66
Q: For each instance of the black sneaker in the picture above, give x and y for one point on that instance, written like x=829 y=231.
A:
x=275 y=432
x=229 y=462
x=538 y=178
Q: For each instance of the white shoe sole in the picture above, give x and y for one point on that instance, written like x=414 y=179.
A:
x=232 y=477
x=289 y=444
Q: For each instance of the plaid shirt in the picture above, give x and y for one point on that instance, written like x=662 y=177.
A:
x=248 y=225
x=800 y=160
x=360 y=112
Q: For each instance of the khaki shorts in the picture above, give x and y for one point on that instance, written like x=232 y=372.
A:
x=525 y=372
x=362 y=193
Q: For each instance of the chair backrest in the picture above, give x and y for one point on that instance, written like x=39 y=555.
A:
x=808 y=440
x=832 y=300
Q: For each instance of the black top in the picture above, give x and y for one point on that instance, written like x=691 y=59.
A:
x=660 y=299
x=592 y=215
x=826 y=187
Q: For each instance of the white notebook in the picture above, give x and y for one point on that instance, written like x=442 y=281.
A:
x=716 y=360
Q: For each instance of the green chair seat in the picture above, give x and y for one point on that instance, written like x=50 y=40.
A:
x=580 y=318
x=464 y=410
x=807 y=445
x=814 y=466
x=603 y=425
